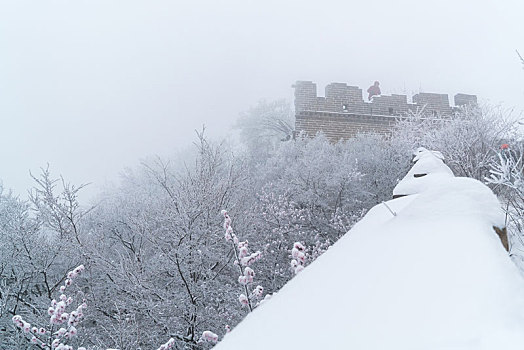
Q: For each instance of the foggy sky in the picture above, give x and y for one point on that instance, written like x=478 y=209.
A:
x=92 y=86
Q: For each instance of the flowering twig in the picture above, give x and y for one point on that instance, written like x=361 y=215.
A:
x=243 y=260
x=299 y=257
x=48 y=338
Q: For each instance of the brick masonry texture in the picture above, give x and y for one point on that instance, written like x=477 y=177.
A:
x=343 y=113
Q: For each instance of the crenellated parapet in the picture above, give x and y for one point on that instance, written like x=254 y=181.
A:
x=343 y=112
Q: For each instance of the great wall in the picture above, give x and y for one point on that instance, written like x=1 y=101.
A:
x=343 y=113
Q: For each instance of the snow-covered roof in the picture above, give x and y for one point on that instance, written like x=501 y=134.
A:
x=423 y=271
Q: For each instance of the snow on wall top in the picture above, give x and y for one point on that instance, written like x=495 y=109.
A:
x=433 y=276
x=430 y=176
x=429 y=168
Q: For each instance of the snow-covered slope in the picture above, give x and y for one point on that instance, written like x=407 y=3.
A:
x=433 y=276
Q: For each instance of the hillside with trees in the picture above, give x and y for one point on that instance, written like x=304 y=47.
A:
x=161 y=259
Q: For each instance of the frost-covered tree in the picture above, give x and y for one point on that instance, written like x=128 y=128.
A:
x=159 y=251
x=264 y=126
x=468 y=139
x=507 y=172
x=313 y=191
x=37 y=245
x=17 y=277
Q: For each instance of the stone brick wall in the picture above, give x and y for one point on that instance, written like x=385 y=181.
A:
x=343 y=113
x=463 y=99
x=337 y=126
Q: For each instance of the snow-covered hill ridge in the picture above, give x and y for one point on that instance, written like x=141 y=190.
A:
x=423 y=271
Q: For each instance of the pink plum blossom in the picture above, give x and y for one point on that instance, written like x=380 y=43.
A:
x=209 y=336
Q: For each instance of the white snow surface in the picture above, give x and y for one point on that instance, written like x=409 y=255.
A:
x=435 y=276
x=427 y=162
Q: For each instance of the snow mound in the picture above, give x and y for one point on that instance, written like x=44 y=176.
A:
x=424 y=271
x=428 y=171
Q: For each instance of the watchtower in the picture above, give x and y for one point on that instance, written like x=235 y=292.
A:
x=342 y=112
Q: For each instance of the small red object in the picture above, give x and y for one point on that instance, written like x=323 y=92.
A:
x=504 y=146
